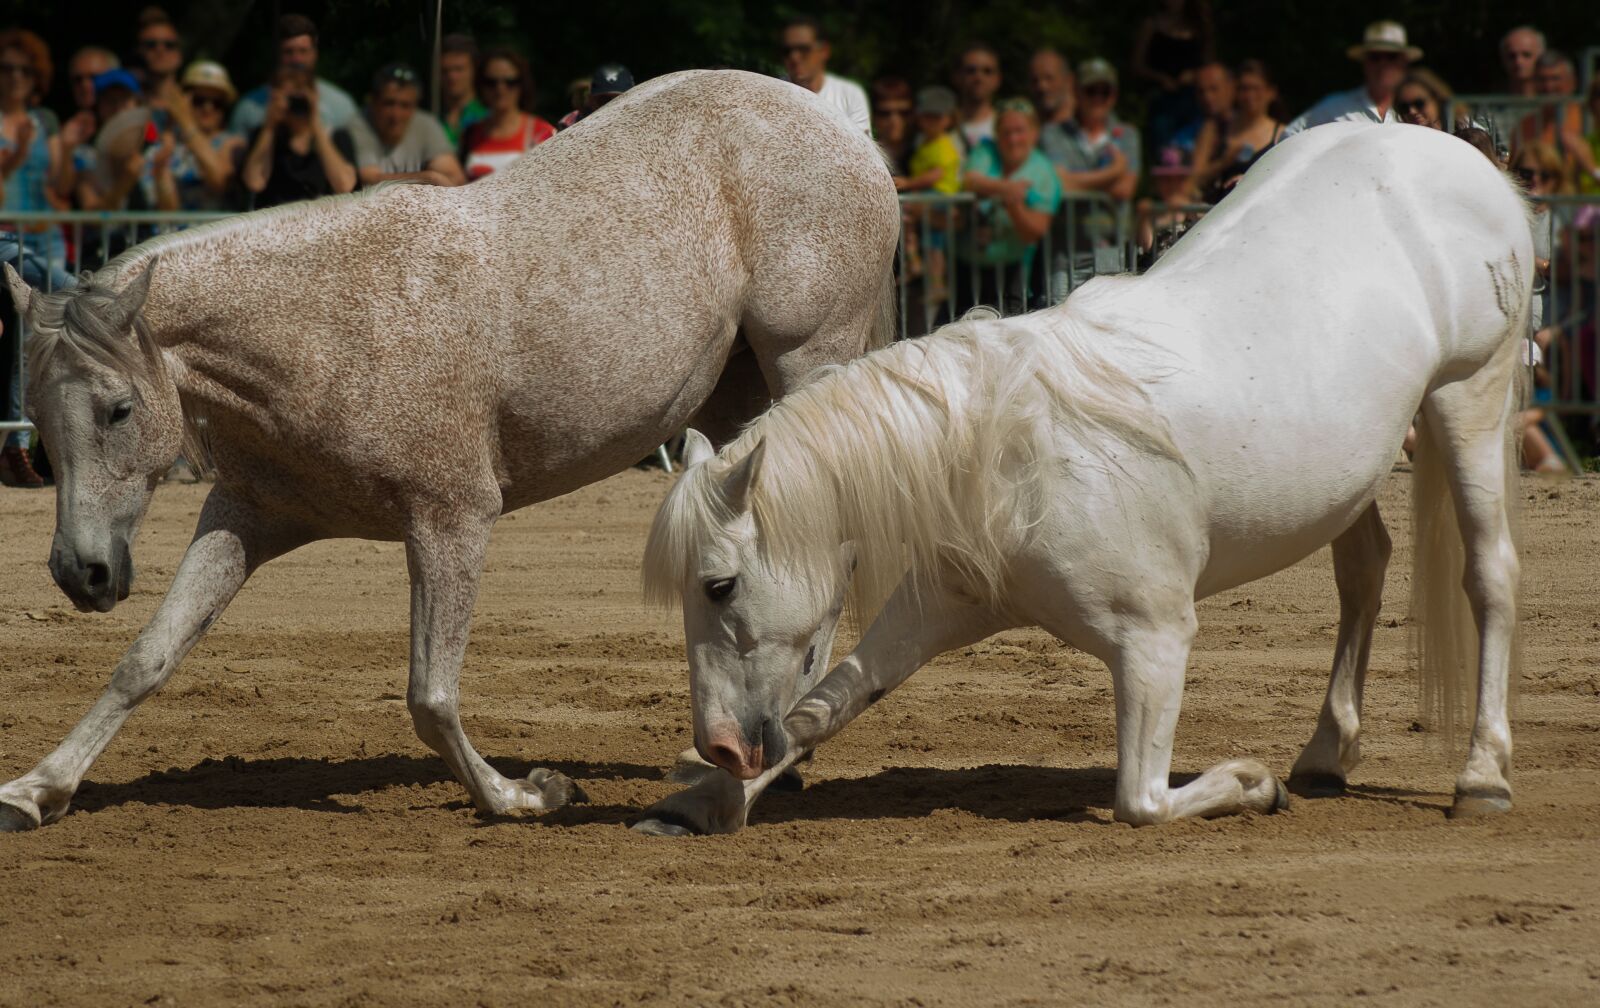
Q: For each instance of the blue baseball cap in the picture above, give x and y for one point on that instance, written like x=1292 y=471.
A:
x=116 y=78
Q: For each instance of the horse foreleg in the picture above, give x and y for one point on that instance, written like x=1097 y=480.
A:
x=1360 y=559
x=446 y=564
x=912 y=629
x=1147 y=673
x=229 y=543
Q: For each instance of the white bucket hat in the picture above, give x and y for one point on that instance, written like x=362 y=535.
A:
x=1384 y=36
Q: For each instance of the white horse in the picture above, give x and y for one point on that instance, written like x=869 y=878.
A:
x=1097 y=467
x=411 y=363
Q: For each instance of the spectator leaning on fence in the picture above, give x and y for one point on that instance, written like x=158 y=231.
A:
x=977 y=81
x=805 y=49
x=1520 y=49
x=396 y=140
x=1053 y=87
x=200 y=174
x=1019 y=195
x=510 y=130
x=1384 y=54
x=458 y=79
x=1098 y=152
x=292 y=154
x=297 y=49
x=1250 y=133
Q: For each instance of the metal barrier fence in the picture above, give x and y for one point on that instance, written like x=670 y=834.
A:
x=954 y=253
x=958 y=251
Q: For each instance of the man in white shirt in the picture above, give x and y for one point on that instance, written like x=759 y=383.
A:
x=1384 y=55
x=805 y=51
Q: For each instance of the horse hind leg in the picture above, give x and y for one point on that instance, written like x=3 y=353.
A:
x=1360 y=560
x=1147 y=673
x=1468 y=428
x=446 y=563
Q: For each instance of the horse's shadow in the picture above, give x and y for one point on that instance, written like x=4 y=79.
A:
x=319 y=785
x=1002 y=792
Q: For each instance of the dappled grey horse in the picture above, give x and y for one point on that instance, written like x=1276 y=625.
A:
x=411 y=363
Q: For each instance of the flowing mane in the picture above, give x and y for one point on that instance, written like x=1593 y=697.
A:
x=925 y=454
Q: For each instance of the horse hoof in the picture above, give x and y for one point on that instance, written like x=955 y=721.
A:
x=1476 y=804
x=14 y=820
x=790 y=780
x=1317 y=785
x=557 y=789
x=666 y=824
x=1280 y=802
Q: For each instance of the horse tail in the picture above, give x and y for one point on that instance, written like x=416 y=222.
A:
x=886 y=317
x=1444 y=633
x=1441 y=619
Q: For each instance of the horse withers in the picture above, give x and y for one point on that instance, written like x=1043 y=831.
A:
x=1098 y=467
x=410 y=363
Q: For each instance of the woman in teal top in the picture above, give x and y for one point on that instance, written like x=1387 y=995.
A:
x=1019 y=193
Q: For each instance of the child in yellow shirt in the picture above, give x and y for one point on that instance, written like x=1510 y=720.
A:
x=935 y=166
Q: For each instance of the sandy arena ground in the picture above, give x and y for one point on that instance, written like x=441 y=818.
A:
x=268 y=831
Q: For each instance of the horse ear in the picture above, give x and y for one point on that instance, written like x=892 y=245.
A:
x=131 y=298
x=741 y=479
x=21 y=293
x=696 y=448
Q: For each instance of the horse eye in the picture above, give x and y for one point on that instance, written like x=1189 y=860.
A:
x=121 y=412
x=720 y=589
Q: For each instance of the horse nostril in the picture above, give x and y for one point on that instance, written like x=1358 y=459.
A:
x=724 y=756
x=99 y=575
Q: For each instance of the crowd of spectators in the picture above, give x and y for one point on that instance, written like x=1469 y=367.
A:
x=163 y=131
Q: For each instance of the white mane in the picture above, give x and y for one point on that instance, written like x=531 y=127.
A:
x=925 y=454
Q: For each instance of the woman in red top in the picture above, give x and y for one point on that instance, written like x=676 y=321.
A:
x=510 y=130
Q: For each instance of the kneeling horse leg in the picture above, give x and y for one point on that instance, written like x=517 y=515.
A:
x=911 y=630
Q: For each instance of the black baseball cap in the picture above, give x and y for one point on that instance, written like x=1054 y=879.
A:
x=610 y=79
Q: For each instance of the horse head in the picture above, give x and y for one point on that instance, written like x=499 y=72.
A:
x=107 y=407
x=758 y=633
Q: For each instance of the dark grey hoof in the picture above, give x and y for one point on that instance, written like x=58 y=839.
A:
x=789 y=780
x=557 y=788
x=667 y=824
x=1476 y=804
x=1317 y=785
x=1281 y=802
x=14 y=820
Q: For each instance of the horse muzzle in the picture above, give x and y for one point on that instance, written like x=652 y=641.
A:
x=93 y=583
x=745 y=751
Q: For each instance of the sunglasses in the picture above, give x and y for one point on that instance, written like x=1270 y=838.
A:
x=16 y=68
x=893 y=113
x=490 y=83
x=979 y=68
x=1528 y=175
x=158 y=43
x=200 y=101
x=803 y=49
x=1098 y=90
x=1416 y=105
x=403 y=74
